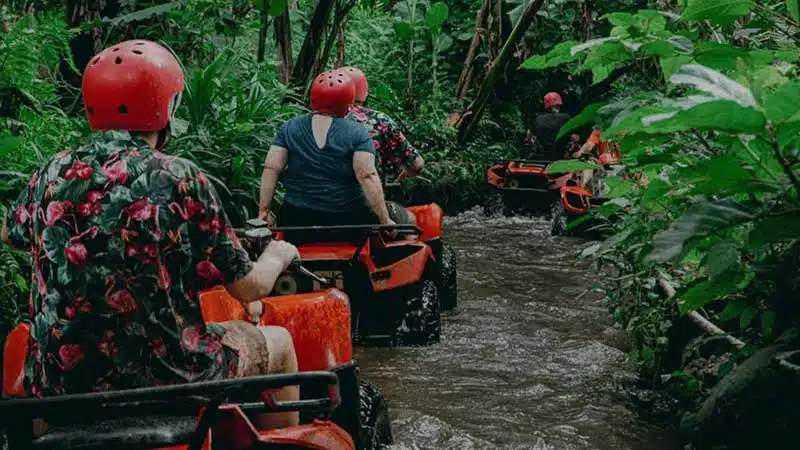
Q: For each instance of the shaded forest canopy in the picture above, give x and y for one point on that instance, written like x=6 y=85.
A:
x=701 y=95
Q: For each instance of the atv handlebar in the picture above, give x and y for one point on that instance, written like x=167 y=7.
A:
x=403 y=228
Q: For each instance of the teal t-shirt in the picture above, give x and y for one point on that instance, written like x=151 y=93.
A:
x=323 y=179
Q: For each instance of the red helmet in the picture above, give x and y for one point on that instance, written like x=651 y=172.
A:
x=134 y=85
x=362 y=86
x=552 y=99
x=332 y=92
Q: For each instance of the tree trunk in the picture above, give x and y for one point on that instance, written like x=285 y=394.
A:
x=283 y=42
x=339 y=17
x=262 y=34
x=340 y=47
x=588 y=6
x=84 y=45
x=312 y=44
x=466 y=72
x=474 y=111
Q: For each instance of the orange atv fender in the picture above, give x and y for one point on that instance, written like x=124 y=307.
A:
x=575 y=199
x=493 y=176
x=429 y=219
x=559 y=182
x=319 y=323
x=521 y=169
x=408 y=270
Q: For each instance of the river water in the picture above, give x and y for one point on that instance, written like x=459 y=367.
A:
x=529 y=360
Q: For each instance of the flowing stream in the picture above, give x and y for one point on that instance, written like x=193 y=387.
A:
x=529 y=360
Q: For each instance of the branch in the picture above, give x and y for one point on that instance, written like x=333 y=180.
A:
x=787 y=166
x=703 y=323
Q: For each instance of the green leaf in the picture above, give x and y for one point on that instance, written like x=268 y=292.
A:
x=54 y=239
x=775 y=229
x=143 y=14
x=781 y=106
x=718 y=56
x=717 y=11
x=404 y=30
x=277 y=7
x=713 y=83
x=768 y=323
x=720 y=115
x=732 y=309
x=620 y=19
x=670 y=65
x=794 y=9
x=654 y=195
x=587 y=116
x=436 y=16
x=699 y=221
x=722 y=257
x=730 y=176
x=570 y=165
x=747 y=317
x=560 y=54
x=600 y=73
x=705 y=291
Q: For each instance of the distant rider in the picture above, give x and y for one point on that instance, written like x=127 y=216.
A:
x=330 y=161
x=123 y=238
x=544 y=129
x=396 y=157
x=596 y=150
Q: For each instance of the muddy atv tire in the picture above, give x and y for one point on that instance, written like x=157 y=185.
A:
x=448 y=288
x=493 y=204
x=559 y=219
x=375 y=427
x=421 y=323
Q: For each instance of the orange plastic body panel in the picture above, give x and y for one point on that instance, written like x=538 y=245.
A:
x=429 y=219
x=404 y=272
x=583 y=193
x=493 y=178
x=327 y=252
x=522 y=169
x=319 y=323
x=14 y=354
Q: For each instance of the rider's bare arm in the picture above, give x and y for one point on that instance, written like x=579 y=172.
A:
x=273 y=166
x=367 y=175
x=416 y=167
x=258 y=283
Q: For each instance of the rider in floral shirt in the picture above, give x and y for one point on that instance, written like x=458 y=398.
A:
x=396 y=156
x=123 y=238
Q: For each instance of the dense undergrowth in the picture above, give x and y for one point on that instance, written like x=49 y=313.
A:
x=700 y=94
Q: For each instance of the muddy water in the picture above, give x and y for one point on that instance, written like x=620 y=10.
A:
x=525 y=362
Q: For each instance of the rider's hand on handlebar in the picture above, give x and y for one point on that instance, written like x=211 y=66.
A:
x=266 y=216
x=390 y=233
x=283 y=251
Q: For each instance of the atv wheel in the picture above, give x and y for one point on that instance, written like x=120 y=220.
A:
x=448 y=288
x=493 y=205
x=559 y=218
x=375 y=428
x=420 y=324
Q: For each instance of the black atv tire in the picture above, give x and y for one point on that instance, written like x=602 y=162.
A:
x=559 y=219
x=448 y=287
x=493 y=204
x=421 y=323
x=374 y=427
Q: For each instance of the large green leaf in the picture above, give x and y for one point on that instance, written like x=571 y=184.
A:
x=620 y=19
x=404 y=30
x=713 y=83
x=570 y=165
x=722 y=257
x=775 y=229
x=705 y=291
x=719 y=115
x=717 y=11
x=781 y=106
x=436 y=16
x=718 y=56
x=670 y=65
x=560 y=54
x=699 y=221
x=54 y=239
x=794 y=9
x=587 y=116
x=729 y=176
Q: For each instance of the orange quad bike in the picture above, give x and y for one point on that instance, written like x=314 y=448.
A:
x=337 y=411
x=575 y=201
x=521 y=185
x=393 y=284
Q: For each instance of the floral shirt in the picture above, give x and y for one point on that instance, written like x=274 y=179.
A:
x=123 y=238
x=393 y=152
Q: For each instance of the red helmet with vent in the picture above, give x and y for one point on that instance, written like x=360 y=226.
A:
x=332 y=93
x=134 y=85
x=552 y=99
x=362 y=86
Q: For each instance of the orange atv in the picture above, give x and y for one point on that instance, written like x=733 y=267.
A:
x=575 y=201
x=393 y=284
x=521 y=185
x=337 y=411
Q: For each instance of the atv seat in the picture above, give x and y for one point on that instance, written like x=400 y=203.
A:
x=129 y=433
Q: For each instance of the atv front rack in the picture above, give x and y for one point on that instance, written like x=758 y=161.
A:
x=117 y=417
x=532 y=162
